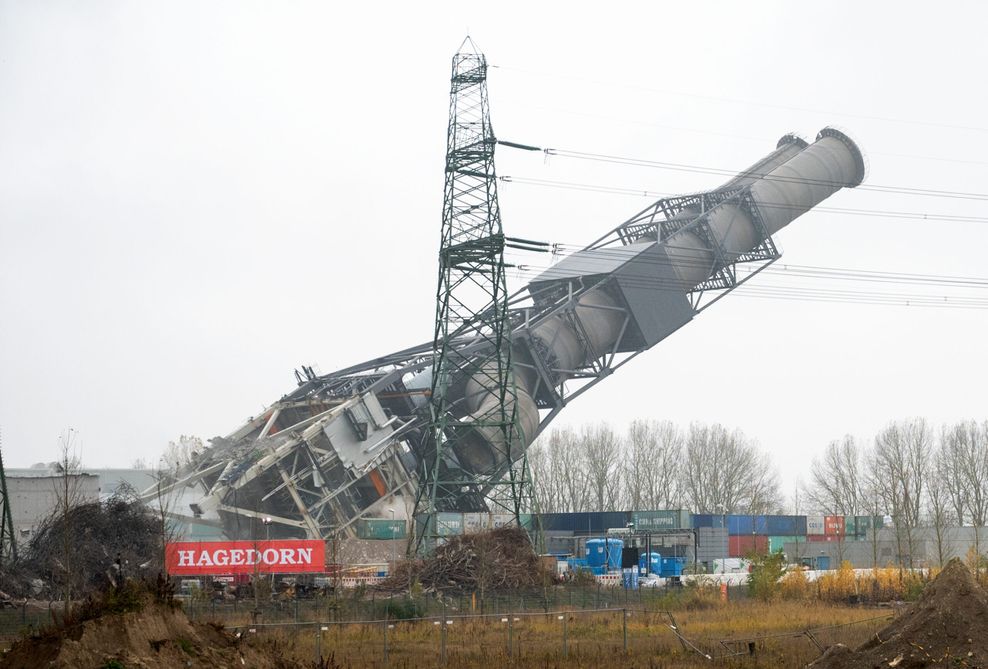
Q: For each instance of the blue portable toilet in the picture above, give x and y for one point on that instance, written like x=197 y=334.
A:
x=672 y=567
x=653 y=561
x=604 y=555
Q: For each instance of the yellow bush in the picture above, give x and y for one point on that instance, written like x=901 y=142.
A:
x=795 y=586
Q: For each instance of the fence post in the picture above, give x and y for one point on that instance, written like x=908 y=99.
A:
x=318 y=643
x=565 y=649
x=442 y=636
x=385 y=640
x=510 y=648
x=624 y=626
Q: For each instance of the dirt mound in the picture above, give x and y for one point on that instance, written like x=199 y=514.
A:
x=159 y=636
x=948 y=626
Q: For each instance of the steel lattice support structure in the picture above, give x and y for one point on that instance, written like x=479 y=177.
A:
x=473 y=397
x=8 y=540
x=350 y=444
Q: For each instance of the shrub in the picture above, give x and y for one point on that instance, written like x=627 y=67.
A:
x=766 y=571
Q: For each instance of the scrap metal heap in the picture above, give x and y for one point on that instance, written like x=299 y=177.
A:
x=341 y=446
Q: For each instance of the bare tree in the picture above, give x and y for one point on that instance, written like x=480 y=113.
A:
x=559 y=471
x=899 y=470
x=725 y=471
x=182 y=451
x=952 y=471
x=938 y=503
x=835 y=479
x=601 y=449
x=68 y=495
x=651 y=465
x=967 y=445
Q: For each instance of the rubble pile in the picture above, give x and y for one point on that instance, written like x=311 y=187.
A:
x=83 y=549
x=491 y=561
x=948 y=626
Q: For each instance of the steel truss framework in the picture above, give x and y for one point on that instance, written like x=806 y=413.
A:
x=8 y=540
x=342 y=445
x=471 y=303
x=270 y=467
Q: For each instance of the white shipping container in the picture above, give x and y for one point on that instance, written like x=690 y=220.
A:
x=476 y=522
x=816 y=524
x=502 y=519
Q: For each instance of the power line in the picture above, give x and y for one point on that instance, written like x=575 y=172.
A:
x=618 y=190
x=802 y=293
x=683 y=167
x=749 y=138
x=786 y=270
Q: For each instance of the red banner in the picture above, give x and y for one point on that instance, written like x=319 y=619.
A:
x=245 y=557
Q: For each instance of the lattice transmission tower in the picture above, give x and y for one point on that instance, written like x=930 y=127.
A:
x=474 y=457
x=8 y=541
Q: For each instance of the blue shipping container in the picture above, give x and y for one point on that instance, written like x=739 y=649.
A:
x=746 y=524
x=785 y=525
x=584 y=523
x=708 y=520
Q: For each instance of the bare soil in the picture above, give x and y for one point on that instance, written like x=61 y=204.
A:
x=948 y=626
x=158 y=637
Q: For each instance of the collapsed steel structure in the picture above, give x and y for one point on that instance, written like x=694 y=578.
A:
x=341 y=446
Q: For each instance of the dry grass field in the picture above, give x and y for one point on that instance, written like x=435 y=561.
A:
x=616 y=638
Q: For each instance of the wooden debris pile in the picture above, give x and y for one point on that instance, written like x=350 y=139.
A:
x=481 y=562
x=79 y=550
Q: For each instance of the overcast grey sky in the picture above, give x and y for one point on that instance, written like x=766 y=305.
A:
x=197 y=197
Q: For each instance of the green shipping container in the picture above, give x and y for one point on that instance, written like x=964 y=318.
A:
x=381 y=528
x=862 y=524
x=675 y=519
x=449 y=524
x=778 y=543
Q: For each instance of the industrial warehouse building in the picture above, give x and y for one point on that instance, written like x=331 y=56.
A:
x=35 y=493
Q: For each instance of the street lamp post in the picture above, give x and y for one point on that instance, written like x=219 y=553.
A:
x=267 y=539
x=391 y=572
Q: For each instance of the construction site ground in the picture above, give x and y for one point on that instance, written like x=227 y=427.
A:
x=948 y=626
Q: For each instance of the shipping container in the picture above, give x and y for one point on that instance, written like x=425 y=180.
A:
x=778 y=543
x=834 y=525
x=709 y=520
x=816 y=525
x=676 y=519
x=823 y=537
x=789 y=526
x=863 y=524
x=585 y=523
x=476 y=522
x=850 y=526
x=381 y=528
x=449 y=524
x=746 y=524
x=743 y=544
x=502 y=520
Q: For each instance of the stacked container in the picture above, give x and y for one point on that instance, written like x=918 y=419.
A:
x=381 y=528
x=742 y=545
x=676 y=519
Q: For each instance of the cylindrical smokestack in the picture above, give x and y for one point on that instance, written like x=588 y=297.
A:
x=832 y=162
x=783 y=185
